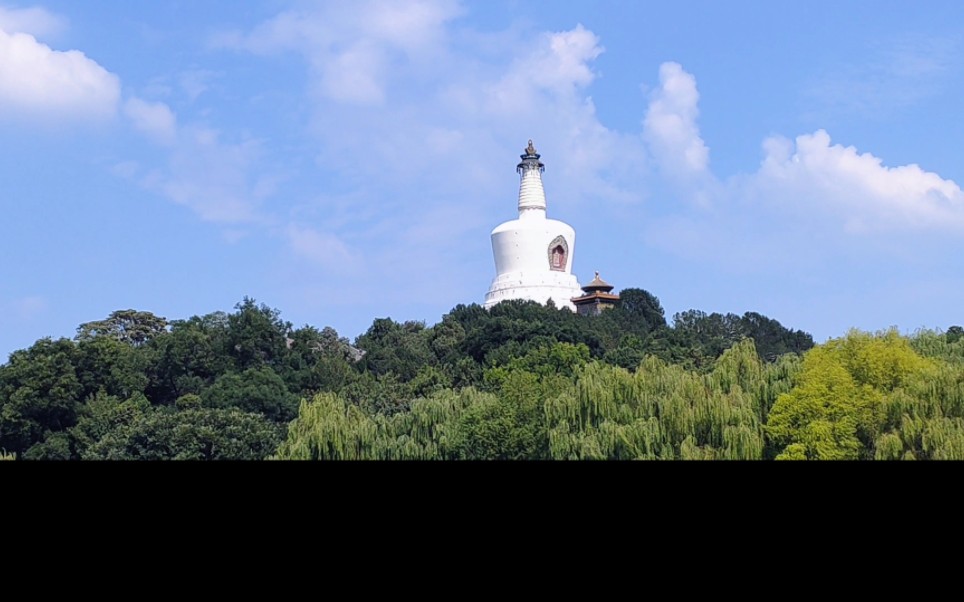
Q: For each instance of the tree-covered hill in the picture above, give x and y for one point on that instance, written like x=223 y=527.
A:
x=520 y=381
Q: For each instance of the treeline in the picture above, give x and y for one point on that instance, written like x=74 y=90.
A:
x=864 y=396
x=518 y=381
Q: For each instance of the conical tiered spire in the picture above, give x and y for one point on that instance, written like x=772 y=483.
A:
x=532 y=196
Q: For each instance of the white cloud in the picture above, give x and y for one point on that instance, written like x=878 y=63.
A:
x=856 y=186
x=37 y=80
x=35 y=21
x=670 y=126
x=558 y=62
x=354 y=49
x=414 y=26
x=223 y=183
x=806 y=176
x=153 y=118
x=480 y=113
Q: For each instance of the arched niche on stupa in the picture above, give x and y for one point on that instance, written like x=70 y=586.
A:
x=558 y=254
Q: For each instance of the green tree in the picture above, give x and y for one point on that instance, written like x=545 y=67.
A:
x=256 y=390
x=257 y=336
x=188 y=358
x=328 y=428
x=638 y=313
x=837 y=409
x=56 y=446
x=390 y=347
x=428 y=380
x=39 y=394
x=203 y=434
x=128 y=326
x=384 y=394
x=513 y=328
x=937 y=345
x=771 y=338
x=660 y=411
x=558 y=358
x=112 y=366
x=512 y=424
x=629 y=353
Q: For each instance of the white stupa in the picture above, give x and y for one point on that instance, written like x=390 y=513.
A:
x=533 y=254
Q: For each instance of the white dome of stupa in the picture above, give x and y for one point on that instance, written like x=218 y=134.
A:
x=533 y=254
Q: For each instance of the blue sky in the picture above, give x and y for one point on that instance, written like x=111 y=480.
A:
x=346 y=161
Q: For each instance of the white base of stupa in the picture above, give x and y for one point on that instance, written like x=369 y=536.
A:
x=539 y=287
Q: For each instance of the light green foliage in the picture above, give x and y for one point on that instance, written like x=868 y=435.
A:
x=948 y=346
x=943 y=439
x=823 y=411
x=447 y=425
x=659 y=412
x=889 y=447
x=741 y=367
x=328 y=428
x=856 y=397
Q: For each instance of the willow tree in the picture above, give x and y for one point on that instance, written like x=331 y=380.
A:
x=663 y=411
x=922 y=420
x=328 y=428
x=948 y=346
